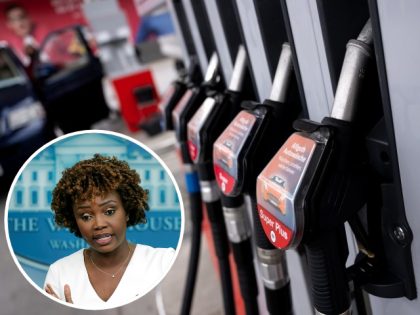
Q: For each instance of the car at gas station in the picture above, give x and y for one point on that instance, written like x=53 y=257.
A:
x=23 y=124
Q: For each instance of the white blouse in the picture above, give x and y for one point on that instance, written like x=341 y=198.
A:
x=145 y=270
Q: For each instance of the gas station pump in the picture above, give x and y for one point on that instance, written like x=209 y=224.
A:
x=227 y=41
x=192 y=76
x=342 y=170
x=183 y=111
x=187 y=106
x=169 y=101
x=239 y=154
x=176 y=91
x=174 y=94
x=316 y=182
x=203 y=128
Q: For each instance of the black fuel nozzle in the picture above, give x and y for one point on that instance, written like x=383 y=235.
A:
x=203 y=128
x=316 y=182
x=212 y=117
x=247 y=144
x=175 y=91
x=191 y=101
x=196 y=103
x=193 y=96
x=239 y=154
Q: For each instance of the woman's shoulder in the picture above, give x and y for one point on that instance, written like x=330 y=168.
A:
x=162 y=256
x=149 y=250
x=71 y=260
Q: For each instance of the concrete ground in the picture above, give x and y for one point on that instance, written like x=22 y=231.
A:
x=18 y=297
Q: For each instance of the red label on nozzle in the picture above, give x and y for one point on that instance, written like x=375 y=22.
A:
x=227 y=148
x=195 y=125
x=276 y=190
x=192 y=148
x=278 y=234
x=224 y=179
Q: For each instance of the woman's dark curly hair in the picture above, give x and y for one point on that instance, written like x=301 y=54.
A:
x=97 y=177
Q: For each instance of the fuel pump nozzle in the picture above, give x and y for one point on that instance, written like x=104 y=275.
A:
x=176 y=90
x=283 y=75
x=192 y=99
x=239 y=154
x=356 y=59
x=272 y=260
x=203 y=128
x=184 y=109
x=316 y=182
x=234 y=212
x=215 y=113
x=212 y=74
x=239 y=70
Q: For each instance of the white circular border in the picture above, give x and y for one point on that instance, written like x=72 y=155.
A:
x=118 y=135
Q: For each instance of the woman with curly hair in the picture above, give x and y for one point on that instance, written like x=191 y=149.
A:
x=97 y=199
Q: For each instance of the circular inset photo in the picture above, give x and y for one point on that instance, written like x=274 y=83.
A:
x=94 y=220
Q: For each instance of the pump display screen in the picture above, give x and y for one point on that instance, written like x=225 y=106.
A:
x=227 y=148
x=195 y=125
x=277 y=186
x=179 y=108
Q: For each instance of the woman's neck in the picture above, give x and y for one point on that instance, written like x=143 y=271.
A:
x=117 y=256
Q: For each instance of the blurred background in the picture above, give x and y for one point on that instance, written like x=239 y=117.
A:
x=68 y=65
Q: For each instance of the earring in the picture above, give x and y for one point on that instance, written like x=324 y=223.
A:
x=127 y=218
